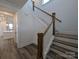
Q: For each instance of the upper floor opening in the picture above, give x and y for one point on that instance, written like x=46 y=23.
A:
x=45 y=1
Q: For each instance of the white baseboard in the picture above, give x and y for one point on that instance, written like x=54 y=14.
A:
x=23 y=43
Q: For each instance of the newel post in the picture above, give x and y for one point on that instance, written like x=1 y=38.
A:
x=40 y=46
x=53 y=19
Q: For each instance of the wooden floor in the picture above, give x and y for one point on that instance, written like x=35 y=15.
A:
x=8 y=50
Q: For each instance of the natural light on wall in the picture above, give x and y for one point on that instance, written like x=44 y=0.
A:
x=45 y=1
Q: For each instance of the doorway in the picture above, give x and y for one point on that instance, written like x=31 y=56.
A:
x=7 y=26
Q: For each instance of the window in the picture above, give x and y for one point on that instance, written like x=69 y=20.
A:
x=1 y=18
x=45 y=1
x=6 y=22
x=9 y=27
x=9 y=23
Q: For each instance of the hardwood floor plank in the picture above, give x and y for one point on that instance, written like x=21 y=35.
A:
x=8 y=50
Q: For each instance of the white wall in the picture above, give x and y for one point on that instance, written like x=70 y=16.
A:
x=25 y=29
x=66 y=11
x=28 y=26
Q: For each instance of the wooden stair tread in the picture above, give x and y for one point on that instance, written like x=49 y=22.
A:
x=60 y=53
x=67 y=40
x=60 y=48
x=66 y=35
x=66 y=47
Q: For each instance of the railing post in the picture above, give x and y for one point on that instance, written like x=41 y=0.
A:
x=53 y=19
x=40 y=46
x=33 y=4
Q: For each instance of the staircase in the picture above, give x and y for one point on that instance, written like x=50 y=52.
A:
x=64 y=46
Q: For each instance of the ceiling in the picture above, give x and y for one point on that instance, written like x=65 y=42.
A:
x=18 y=3
x=11 y=5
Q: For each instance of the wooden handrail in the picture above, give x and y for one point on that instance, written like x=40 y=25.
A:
x=47 y=13
x=44 y=12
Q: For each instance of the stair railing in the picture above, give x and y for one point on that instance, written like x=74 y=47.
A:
x=41 y=35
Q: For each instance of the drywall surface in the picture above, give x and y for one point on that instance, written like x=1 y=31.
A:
x=67 y=12
x=28 y=26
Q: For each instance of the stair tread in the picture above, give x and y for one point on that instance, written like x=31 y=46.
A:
x=60 y=53
x=67 y=40
x=60 y=48
x=66 y=46
x=66 y=43
x=66 y=35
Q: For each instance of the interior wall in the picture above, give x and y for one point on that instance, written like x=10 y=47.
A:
x=66 y=11
x=25 y=30
x=28 y=26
